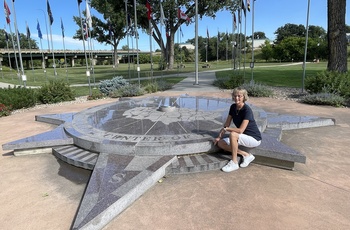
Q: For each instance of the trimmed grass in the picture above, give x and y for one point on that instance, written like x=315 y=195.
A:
x=272 y=74
x=279 y=75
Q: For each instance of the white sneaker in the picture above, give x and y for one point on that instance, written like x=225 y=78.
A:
x=247 y=160
x=231 y=166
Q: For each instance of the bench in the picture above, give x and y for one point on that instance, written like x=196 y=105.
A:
x=206 y=66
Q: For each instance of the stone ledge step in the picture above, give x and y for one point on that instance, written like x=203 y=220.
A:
x=199 y=163
x=76 y=156
x=279 y=156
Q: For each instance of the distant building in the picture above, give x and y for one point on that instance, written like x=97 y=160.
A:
x=188 y=46
x=258 y=42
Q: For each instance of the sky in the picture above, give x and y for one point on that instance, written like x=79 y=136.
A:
x=269 y=15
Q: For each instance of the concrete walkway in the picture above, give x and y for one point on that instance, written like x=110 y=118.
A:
x=41 y=192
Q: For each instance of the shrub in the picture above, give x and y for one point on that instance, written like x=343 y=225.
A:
x=258 y=90
x=151 y=87
x=95 y=95
x=130 y=90
x=55 y=91
x=229 y=82
x=18 y=97
x=108 y=86
x=163 y=85
x=329 y=82
x=324 y=99
x=159 y=85
x=5 y=110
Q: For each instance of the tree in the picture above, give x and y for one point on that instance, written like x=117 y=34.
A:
x=111 y=10
x=112 y=29
x=172 y=23
x=267 y=50
x=337 y=43
x=289 y=30
x=24 y=42
x=259 y=35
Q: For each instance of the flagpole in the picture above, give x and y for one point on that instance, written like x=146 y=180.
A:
x=245 y=39
x=92 y=59
x=112 y=47
x=14 y=52
x=150 y=46
x=64 y=50
x=30 y=49
x=217 y=48
x=206 y=47
x=252 y=64
x=8 y=50
x=226 y=45
x=24 y=77
x=137 y=47
x=233 y=41
x=196 y=43
x=306 y=40
x=82 y=35
x=41 y=46
x=149 y=16
x=89 y=40
x=240 y=37
x=49 y=14
x=161 y=35
x=127 y=34
x=47 y=31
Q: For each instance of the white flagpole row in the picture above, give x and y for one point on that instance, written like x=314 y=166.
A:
x=64 y=50
x=137 y=44
x=252 y=64
x=86 y=59
x=24 y=77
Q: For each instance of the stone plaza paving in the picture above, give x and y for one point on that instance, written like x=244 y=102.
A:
x=132 y=143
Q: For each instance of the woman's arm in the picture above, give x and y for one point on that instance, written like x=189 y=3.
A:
x=223 y=130
x=240 y=129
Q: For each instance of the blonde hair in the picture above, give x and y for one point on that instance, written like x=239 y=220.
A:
x=240 y=90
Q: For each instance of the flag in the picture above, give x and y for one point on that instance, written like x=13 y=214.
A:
x=234 y=20
x=182 y=15
x=110 y=28
x=62 y=27
x=162 y=17
x=28 y=32
x=248 y=5
x=207 y=33
x=182 y=34
x=79 y=1
x=239 y=17
x=85 y=28
x=19 y=36
x=49 y=13
x=244 y=9
x=40 y=35
x=149 y=9
x=7 y=12
x=88 y=16
x=129 y=21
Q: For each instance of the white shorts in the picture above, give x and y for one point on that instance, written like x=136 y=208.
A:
x=244 y=140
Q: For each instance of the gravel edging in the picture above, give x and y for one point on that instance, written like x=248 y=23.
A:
x=280 y=93
x=78 y=100
x=284 y=93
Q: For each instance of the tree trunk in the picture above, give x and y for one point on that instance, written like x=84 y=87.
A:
x=337 y=45
x=170 y=50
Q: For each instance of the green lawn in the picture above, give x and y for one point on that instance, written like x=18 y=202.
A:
x=274 y=74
